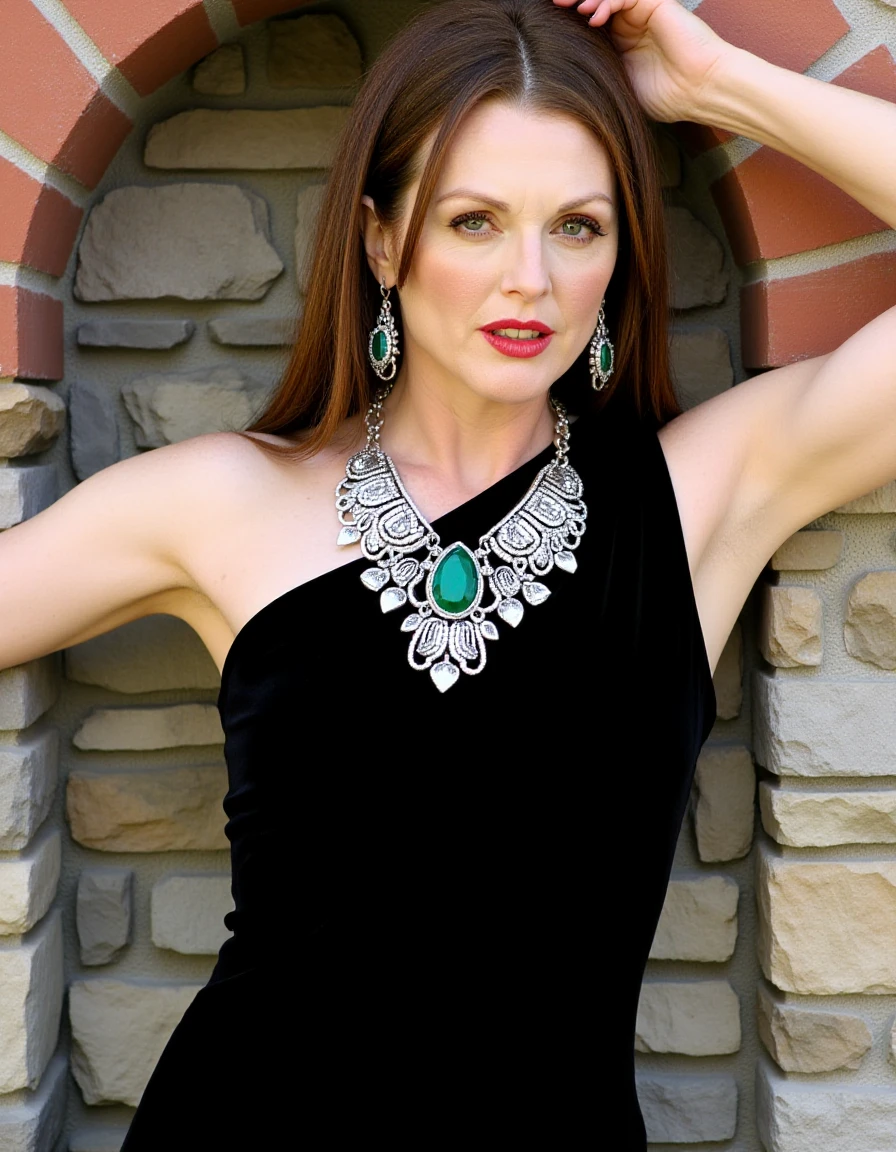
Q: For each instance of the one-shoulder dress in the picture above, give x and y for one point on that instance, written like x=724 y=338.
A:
x=444 y=903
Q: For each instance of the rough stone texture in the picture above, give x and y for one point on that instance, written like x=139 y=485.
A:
x=694 y=1018
x=312 y=52
x=802 y=819
x=28 y=884
x=804 y=727
x=27 y=691
x=701 y=364
x=308 y=202
x=149 y=727
x=106 y=1139
x=724 y=793
x=153 y=654
x=800 y=1116
x=103 y=913
x=148 y=810
x=790 y=626
x=27 y=785
x=119 y=1029
x=94 y=441
x=808 y=551
x=35 y=1123
x=188 y=913
x=25 y=491
x=869 y=630
x=891 y=1053
x=802 y=1040
x=146 y=334
x=698 y=921
x=222 y=72
x=31 y=1004
x=254 y=331
x=193 y=241
x=827 y=927
x=881 y=499
x=688 y=1109
x=246 y=139
x=697 y=259
x=729 y=674
x=167 y=407
x=31 y=417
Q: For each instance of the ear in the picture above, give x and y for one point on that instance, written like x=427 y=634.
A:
x=378 y=245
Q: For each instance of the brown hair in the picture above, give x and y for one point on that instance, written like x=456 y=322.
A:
x=445 y=62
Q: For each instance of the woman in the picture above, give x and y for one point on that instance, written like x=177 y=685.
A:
x=442 y=696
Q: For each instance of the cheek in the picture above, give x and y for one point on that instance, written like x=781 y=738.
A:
x=445 y=281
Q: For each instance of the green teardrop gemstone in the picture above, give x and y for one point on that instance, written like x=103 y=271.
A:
x=606 y=358
x=380 y=345
x=455 y=581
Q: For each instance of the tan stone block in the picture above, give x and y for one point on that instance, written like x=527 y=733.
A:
x=27 y=691
x=693 y=1017
x=313 y=52
x=724 y=796
x=25 y=491
x=169 y=407
x=882 y=499
x=33 y=1123
x=28 y=884
x=31 y=417
x=148 y=810
x=142 y=729
x=728 y=676
x=808 y=551
x=790 y=626
x=803 y=819
x=222 y=72
x=827 y=927
x=804 y=1040
x=698 y=921
x=188 y=913
x=308 y=204
x=869 y=630
x=31 y=1004
x=28 y=772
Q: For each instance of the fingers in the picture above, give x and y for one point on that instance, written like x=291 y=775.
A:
x=597 y=10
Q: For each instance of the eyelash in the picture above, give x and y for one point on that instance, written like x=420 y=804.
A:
x=596 y=229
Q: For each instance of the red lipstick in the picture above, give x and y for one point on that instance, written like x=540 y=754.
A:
x=524 y=347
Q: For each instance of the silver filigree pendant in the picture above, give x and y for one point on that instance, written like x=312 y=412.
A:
x=453 y=591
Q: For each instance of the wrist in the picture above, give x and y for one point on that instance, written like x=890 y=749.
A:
x=727 y=95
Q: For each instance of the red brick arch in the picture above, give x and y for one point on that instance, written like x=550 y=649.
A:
x=53 y=107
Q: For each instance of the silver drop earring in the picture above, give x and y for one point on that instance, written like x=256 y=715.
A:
x=602 y=354
x=382 y=347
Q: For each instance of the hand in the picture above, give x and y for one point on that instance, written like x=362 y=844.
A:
x=668 y=52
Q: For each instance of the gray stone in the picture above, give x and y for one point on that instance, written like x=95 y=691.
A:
x=813 y=727
x=34 y=1123
x=698 y=921
x=804 y=819
x=701 y=364
x=222 y=72
x=869 y=630
x=31 y=417
x=688 y=1109
x=95 y=440
x=27 y=691
x=148 y=810
x=246 y=139
x=169 y=407
x=728 y=676
x=891 y=1050
x=153 y=654
x=25 y=491
x=149 y=727
x=188 y=913
x=254 y=331
x=808 y=1041
x=790 y=626
x=28 y=884
x=690 y=1017
x=882 y=499
x=312 y=52
x=28 y=772
x=808 y=551
x=308 y=203
x=146 y=334
x=192 y=241
x=697 y=261
x=724 y=802
x=103 y=913
x=31 y=1004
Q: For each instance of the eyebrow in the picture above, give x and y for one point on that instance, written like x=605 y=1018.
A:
x=469 y=193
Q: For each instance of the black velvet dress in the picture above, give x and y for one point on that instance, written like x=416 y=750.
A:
x=444 y=903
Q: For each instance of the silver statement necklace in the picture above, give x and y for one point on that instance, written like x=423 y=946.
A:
x=453 y=591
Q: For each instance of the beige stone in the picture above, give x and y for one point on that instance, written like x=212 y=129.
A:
x=687 y=1109
x=693 y=1018
x=192 y=241
x=246 y=139
x=313 y=52
x=308 y=204
x=31 y=1004
x=728 y=676
x=255 y=331
x=25 y=491
x=222 y=72
x=878 y=500
x=28 y=884
x=148 y=810
x=27 y=785
x=790 y=626
x=188 y=913
x=698 y=921
x=724 y=796
x=701 y=364
x=806 y=1116
x=27 y=691
x=804 y=819
x=869 y=629
x=697 y=259
x=119 y=1028
x=168 y=407
x=33 y=1122
x=31 y=417
x=140 y=729
x=827 y=927
x=805 y=1040
x=808 y=551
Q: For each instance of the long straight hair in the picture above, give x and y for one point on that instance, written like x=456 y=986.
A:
x=448 y=60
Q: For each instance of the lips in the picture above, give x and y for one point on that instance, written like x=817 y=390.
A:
x=514 y=329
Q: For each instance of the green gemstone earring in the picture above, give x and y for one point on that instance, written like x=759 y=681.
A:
x=382 y=347
x=602 y=355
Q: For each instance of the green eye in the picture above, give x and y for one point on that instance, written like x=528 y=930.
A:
x=475 y=224
x=572 y=224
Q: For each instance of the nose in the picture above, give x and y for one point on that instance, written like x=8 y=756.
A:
x=527 y=274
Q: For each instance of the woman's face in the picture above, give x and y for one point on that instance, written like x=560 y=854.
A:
x=522 y=229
